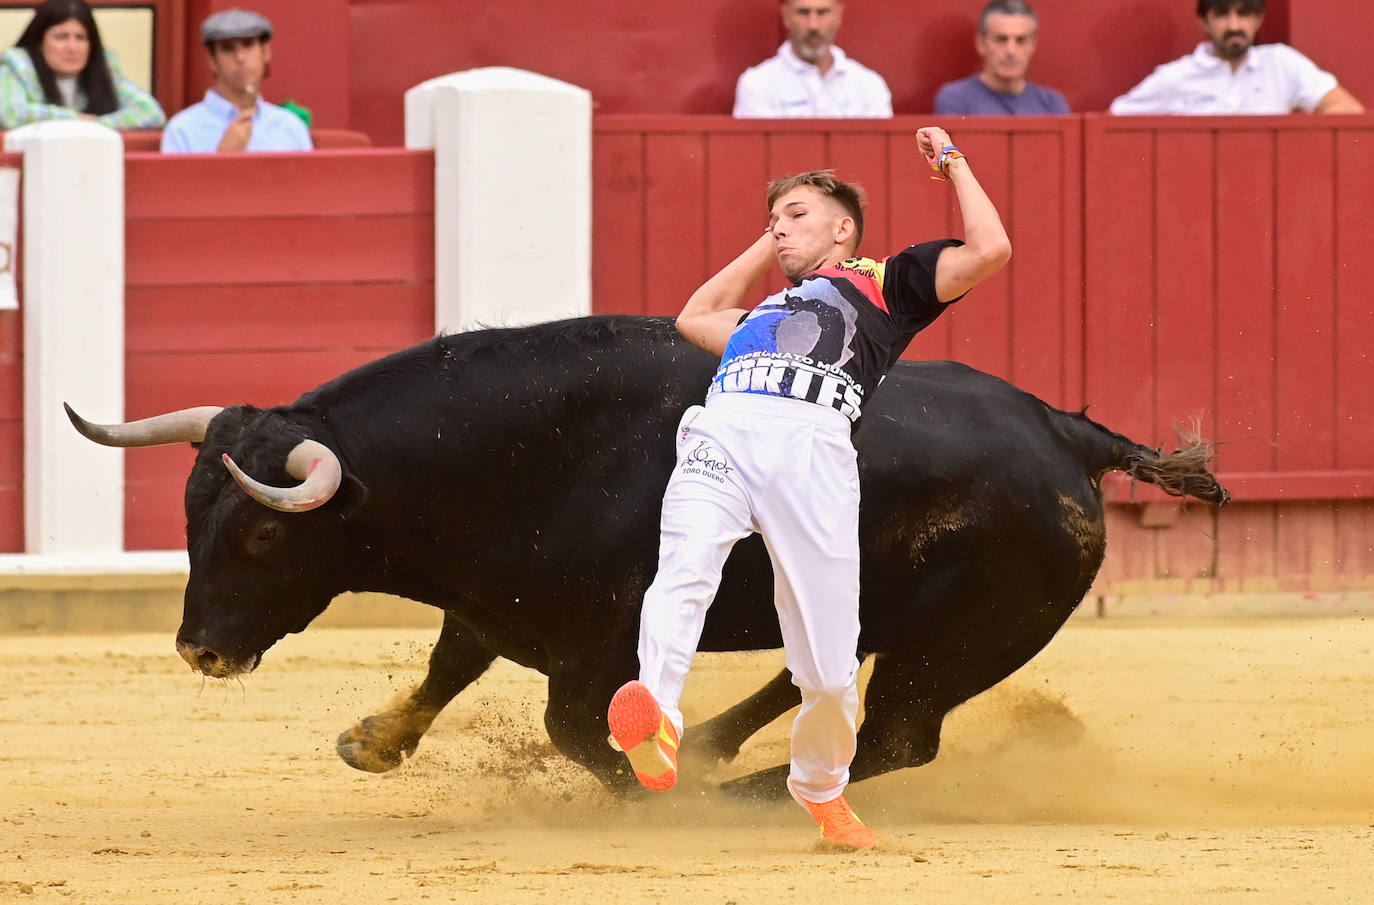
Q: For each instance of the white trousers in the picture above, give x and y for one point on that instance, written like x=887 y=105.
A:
x=786 y=469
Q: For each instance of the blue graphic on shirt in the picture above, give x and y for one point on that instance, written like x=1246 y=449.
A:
x=795 y=343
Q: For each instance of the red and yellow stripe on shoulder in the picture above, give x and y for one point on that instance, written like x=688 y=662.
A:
x=864 y=274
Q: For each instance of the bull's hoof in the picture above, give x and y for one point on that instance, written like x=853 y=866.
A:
x=764 y=786
x=705 y=751
x=361 y=750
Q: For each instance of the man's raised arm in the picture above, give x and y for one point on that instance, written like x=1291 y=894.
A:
x=713 y=311
x=986 y=246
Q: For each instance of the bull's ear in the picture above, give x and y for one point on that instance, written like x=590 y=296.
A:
x=349 y=498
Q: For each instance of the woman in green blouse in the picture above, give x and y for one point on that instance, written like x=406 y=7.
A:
x=60 y=70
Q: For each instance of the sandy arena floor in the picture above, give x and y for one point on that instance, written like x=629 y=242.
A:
x=1130 y=762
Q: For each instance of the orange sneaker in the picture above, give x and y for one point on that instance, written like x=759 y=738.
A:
x=648 y=738
x=837 y=820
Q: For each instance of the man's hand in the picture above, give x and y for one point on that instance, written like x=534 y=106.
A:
x=710 y=316
x=930 y=141
x=236 y=137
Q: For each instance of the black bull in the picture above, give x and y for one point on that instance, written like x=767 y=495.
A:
x=512 y=478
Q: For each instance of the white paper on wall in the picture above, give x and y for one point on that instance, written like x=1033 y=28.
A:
x=9 y=236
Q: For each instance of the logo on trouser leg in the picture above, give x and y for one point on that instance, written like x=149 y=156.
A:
x=707 y=461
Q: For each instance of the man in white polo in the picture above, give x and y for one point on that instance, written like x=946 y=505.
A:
x=1230 y=74
x=810 y=76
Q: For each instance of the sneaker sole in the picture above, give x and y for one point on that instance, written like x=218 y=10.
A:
x=635 y=717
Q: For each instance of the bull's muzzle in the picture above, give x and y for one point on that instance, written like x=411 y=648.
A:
x=208 y=662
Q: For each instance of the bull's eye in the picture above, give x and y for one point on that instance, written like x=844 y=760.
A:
x=265 y=537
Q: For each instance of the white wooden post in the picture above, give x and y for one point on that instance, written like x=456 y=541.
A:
x=73 y=301
x=512 y=185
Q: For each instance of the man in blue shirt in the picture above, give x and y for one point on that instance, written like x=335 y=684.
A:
x=234 y=116
x=1006 y=42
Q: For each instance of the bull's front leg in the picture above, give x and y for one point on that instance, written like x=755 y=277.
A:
x=381 y=742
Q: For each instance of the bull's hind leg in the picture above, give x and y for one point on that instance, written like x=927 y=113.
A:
x=901 y=728
x=903 y=713
x=720 y=737
x=380 y=742
x=576 y=721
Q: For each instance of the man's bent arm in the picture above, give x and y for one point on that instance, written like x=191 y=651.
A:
x=714 y=310
x=986 y=246
x=1338 y=100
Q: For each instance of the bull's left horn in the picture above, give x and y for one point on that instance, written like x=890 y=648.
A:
x=311 y=461
x=184 y=426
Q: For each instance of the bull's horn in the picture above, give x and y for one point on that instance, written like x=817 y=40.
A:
x=311 y=461
x=185 y=426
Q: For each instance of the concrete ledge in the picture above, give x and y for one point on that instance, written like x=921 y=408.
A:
x=105 y=610
x=1276 y=605
x=156 y=568
x=142 y=592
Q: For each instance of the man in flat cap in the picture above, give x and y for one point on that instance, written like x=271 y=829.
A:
x=234 y=116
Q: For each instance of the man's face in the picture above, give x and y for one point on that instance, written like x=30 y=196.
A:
x=808 y=227
x=1007 y=46
x=1232 y=32
x=811 y=26
x=240 y=64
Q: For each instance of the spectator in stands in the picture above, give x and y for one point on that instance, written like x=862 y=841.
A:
x=59 y=69
x=234 y=116
x=810 y=76
x=1006 y=42
x=1229 y=73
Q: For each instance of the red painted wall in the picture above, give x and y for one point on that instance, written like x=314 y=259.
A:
x=1334 y=34
x=313 y=264
x=685 y=58
x=351 y=61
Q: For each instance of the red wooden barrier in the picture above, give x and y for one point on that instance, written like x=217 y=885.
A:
x=1227 y=279
x=1163 y=269
x=253 y=278
x=677 y=198
x=12 y=406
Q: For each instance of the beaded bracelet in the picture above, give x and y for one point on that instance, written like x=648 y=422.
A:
x=941 y=164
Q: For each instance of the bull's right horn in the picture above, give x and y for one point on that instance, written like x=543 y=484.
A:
x=184 y=426
x=314 y=463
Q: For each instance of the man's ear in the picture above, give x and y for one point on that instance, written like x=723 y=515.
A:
x=844 y=230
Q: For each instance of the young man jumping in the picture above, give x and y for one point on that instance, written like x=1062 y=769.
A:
x=771 y=452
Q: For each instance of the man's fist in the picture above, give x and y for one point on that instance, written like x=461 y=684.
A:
x=930 y=141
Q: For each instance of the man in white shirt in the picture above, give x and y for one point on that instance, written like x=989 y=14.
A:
x=1229 y=73
x=810 y=76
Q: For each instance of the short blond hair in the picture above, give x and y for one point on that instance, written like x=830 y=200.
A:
x=849 y=196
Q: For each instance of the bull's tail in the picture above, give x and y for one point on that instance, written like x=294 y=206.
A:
x=1183 y=472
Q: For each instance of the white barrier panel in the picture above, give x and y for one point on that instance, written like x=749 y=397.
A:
x=512 y=185
x=73 y=333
